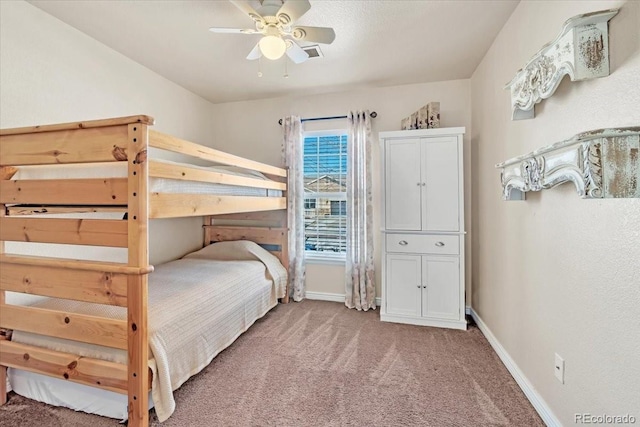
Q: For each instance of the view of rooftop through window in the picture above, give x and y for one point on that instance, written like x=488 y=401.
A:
x=325 y=184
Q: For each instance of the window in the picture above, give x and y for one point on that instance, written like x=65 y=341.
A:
x=325 y=192
x=338 y=207
x=309 y=203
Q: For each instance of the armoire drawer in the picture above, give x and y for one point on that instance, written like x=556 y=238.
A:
x=423 y=244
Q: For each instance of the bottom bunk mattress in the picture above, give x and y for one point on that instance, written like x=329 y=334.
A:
x=198 y=306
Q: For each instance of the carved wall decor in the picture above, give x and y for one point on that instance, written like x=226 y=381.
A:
x=581 y=51
x=603 y=163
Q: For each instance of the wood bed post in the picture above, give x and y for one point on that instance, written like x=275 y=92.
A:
x=6 y=172
x=3 y=369
x=285 y=245
x=137 y=293
x=208 y=220
x=285 y=239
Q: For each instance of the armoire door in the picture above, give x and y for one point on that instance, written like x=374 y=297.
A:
x=403 y=185
x=403 y=282
x=440 y=198
x=441 y=297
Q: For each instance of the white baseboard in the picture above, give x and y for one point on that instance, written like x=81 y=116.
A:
x=324 y=296
x=530 y=392
x=327 y=296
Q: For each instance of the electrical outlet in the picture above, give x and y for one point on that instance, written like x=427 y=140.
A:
x=558 y=369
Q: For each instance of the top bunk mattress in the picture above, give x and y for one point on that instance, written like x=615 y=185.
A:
x=156 y=185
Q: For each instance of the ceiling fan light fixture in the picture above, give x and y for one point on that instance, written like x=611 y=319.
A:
x=272 y=47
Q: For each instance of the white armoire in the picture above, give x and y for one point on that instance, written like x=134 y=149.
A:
x=423 y=227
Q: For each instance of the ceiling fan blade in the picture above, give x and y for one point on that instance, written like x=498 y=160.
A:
x=233 y=30
x=314 y=34
x=255 y=53
x=296 y=53
x=292 y=10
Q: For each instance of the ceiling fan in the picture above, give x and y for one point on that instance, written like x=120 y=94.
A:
x=275 y=20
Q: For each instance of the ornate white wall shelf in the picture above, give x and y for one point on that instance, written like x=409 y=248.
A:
x=581 y=51
x=603 y=163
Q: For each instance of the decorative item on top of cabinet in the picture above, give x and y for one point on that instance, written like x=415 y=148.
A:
x=603 y=163
x=414 y=120
x=423 y=227
x=434 y=115
x=405 y=124
x=427 y=117
x=581 y=50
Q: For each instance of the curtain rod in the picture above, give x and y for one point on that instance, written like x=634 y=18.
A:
x=373 y=115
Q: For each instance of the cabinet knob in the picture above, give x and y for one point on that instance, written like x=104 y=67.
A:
x=419 y=286
x=418 y=184
x=424 y=183
x=403 y=243
x=424 y=286
x=439 y=244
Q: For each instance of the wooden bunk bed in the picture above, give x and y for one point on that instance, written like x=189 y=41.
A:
x=23 y=202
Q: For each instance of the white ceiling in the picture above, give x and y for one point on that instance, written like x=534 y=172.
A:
x=378 y=42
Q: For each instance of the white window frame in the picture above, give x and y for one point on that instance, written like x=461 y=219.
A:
x=316 y=257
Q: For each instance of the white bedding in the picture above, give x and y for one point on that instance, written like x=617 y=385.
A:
x=156 y=185
x=197 y=307
x=79 y=397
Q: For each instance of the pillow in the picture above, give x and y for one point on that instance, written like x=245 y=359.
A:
x=245 y=250
x=235 y=250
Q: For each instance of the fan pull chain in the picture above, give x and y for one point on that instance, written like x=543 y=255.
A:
x=286 y=73
x=260 y=67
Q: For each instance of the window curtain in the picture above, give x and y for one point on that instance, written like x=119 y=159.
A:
x=360 y=280
x=293 y=158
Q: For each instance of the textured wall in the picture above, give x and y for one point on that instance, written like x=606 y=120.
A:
x=51 y=72
x=251 y=129
x=556 y=273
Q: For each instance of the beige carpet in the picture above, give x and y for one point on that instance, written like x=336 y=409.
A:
x=319 y=364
